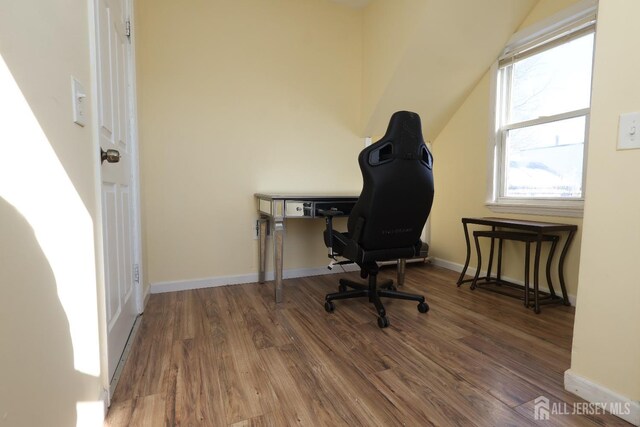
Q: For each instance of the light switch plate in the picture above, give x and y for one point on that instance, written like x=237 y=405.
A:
x=629 y=131
x=79 y=102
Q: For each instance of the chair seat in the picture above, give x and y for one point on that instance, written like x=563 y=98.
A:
x=344 y=246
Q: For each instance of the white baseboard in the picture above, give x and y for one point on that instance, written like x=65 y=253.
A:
x=471 y=271
x=145 y=298
x=620 y=406
x=211 y=282
x=106 y=401
x=439 y=262
x=92 y=412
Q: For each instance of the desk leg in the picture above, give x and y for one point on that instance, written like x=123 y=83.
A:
x=563 y=254
x=278 y=243
x=466 y=261
x=262 y=252
x=402 y=264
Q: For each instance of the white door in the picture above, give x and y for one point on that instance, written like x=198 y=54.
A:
x=114 y=127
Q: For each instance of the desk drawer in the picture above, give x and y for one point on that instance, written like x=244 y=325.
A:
x=295 y=208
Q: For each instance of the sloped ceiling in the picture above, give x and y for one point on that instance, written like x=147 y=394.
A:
x=427 y=55
x=356 y=4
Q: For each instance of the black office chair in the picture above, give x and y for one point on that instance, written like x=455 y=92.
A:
x=387 y=221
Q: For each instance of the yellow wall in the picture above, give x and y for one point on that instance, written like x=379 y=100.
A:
x=606 y=345
x=221 y=118
x=460 y=174
x=237 y=98
x=248 y=95
x=49 y=357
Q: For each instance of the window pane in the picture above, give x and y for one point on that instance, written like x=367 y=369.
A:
x=552 y=82
x=545 y=160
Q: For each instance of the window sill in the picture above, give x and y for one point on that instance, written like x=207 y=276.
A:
x=568 y=209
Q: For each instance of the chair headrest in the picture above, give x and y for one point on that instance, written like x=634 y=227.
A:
x=403 y=140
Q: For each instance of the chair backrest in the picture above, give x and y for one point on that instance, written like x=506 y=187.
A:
x=397 y=191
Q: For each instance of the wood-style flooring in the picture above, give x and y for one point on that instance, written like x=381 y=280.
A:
x=228 y=356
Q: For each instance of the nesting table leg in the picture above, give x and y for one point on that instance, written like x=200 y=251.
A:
x=527 y=261
x=563 y=254
x=466 y=261
x=536 y=274
x=475 y=278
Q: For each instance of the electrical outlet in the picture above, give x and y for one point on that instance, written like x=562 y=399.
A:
x=256 y=230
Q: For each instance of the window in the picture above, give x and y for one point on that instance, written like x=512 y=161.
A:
x=543 y=96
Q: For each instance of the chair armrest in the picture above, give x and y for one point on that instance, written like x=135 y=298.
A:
x=330 y=213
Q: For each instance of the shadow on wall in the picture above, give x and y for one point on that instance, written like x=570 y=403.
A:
x=49 y=335
x=39 y=384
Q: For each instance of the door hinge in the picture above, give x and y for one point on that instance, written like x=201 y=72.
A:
x=136 y=273
x=127 y=28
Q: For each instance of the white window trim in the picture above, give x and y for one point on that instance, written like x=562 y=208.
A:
x=568 y=208
x=567 y=18
x=531 y=36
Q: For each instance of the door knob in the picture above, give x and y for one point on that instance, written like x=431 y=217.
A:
x=111 y=156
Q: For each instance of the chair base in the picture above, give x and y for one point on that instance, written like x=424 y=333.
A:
x=373 y=291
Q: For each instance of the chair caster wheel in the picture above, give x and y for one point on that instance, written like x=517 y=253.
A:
x=423 y=307
x=383 y=322
x=342 y=288
x=329 y=306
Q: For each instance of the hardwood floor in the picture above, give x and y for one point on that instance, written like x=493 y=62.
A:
x=227 y=356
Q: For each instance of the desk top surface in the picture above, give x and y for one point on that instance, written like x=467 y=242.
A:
x=306 y=196
x=521 y=224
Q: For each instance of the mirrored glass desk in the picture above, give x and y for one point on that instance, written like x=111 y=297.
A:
x=275 y=208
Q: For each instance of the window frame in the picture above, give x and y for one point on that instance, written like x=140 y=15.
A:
x=561 y=28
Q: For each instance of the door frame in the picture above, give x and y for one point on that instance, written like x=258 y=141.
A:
x=140 y=295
